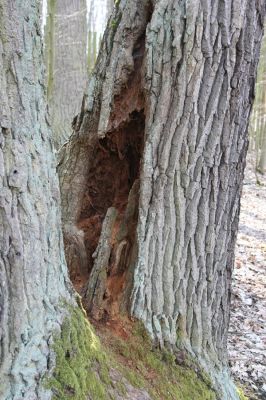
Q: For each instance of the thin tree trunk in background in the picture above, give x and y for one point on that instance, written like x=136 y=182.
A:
x=33 y=273
x=258 y=126
x=98 y=13
x=261 y=162
x=66 y=41
x=49 y=46
x=152 y=177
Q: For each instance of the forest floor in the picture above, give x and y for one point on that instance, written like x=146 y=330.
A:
x=247 y=333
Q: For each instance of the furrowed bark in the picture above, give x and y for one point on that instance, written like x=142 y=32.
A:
x=183 y=74
x=33 y=273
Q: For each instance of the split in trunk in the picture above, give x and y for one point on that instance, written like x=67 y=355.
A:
x=173 y=267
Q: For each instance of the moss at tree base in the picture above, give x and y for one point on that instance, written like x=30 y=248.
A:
x=81 y=364
x=158 y=371
x=84 y=364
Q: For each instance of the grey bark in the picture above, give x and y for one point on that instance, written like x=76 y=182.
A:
x=66 y=41
x=196 y=83
x=33 y=273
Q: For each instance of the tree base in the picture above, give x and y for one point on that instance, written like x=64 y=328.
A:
x=121 y=364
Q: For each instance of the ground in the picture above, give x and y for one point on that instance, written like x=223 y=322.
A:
x=247 y=333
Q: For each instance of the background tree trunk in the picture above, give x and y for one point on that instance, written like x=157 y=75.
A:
x=167 y=112
x=258 y=119
x=98 y=13
x=33 y=274
x=66 y=41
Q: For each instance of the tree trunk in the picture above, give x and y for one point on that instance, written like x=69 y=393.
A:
x=261 y=162
x=33 y=273
x=66 y=37
x=151 y=178
x=99 y=12
x=258 y=127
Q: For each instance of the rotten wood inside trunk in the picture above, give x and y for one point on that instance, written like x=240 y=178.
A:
x=111 y=194
x=109 y=210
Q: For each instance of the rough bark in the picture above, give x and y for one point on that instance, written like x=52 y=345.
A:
x=66 y=41
x=168 y=104
x=33 y=273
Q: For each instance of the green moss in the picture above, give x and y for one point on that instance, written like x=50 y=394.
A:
x=79 y=355
x=115 y=22
x=241 y=394
x=83 y=365
x=157 y=371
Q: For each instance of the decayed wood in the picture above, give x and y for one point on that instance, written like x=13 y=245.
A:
x=198 y=74
x=98 y=279
x=109 y=286
x=77 y=156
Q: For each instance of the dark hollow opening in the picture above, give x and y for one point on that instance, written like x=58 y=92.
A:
x=114 y=169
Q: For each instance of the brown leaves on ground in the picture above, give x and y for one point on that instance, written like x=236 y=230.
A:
x=247 y=334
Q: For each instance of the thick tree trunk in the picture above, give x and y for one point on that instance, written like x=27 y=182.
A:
x=66 y=41
x=157 y=161
x=33 y=273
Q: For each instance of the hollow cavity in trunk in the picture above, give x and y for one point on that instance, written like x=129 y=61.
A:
x=109 y=214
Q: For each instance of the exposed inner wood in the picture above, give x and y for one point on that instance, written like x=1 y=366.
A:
x=112 y=186
x=109 y=211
